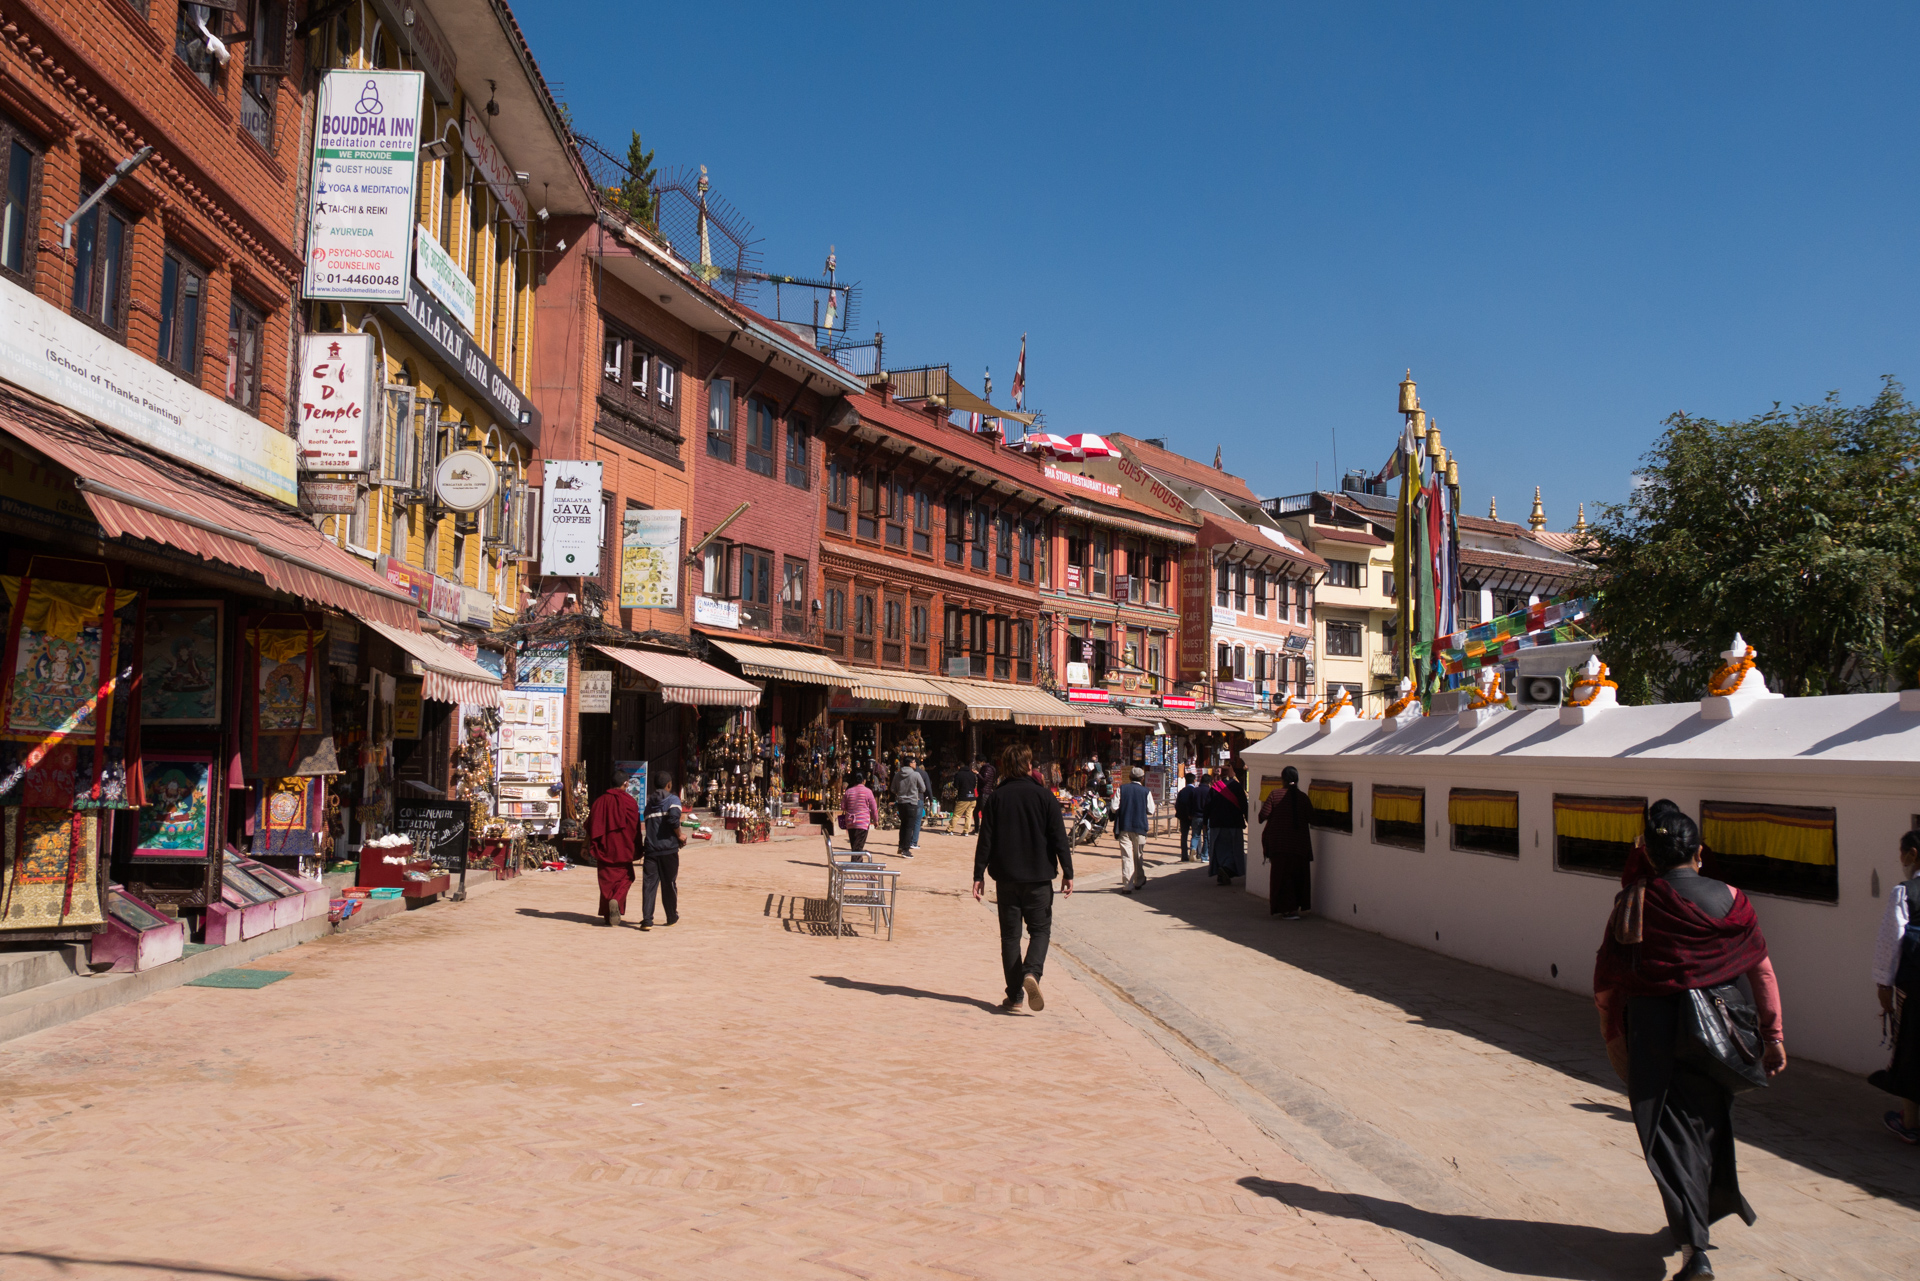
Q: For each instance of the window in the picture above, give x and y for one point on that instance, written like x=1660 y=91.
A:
x=956 y=529
x=713 y=570
x=981 y=517
x=793 y=597
x=1159 y=574
x=1343 y=639
x=1239 y=662
x=1301 y=599
x=183 y=288
x=1469 y=604
x=922 y=523
x=1787 y=850
x=1260 y=592
x=1240 y=588
x=720 y=419
x=893 y=629
x=1400 y=816
x=1505 y=603
x=1028 y=537
x=1000 y=641
x=1077 y=549
x=799 y=436
x=1346 y=573
x=666 y=383
x=19 y=218
x=868 y=524
x=1003 y=545
x=1485 y=822
x=1596 y=833
x=917 y=634
x=1156 y=641
x=1336 y=688
x=756 y=577
x=101 y=239
x=1387 y=584
x=759 y=437
x=895 y=497
x=1332 y=805
x=834 y=624
x=863 y=601
x=191 y=28
x=1136 y=641
x=1222 y=585
x=1023 y=649
x=1259 y=668
x=245 y=334
x=259 y=95
x=1097 y=578
x=839 y=495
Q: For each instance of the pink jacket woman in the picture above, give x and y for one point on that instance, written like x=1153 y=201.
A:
x=859 y=811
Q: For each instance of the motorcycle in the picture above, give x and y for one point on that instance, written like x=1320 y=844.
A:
x=1089 y=822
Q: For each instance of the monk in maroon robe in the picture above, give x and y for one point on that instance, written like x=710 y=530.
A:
x=613 y=825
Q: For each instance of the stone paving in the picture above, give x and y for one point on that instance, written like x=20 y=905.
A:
x=503 y=1088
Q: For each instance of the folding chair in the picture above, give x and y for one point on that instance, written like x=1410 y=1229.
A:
x=867 y=885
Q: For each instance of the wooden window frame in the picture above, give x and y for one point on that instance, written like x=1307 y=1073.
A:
x=27 y=224
x=181 y=333
x=244 y=308
x=761 y=413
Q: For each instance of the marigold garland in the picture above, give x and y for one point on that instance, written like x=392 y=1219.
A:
x=1732 y=673
x=1400 y=706
x=1491 y=697
x=1345 y=700
x=1593 y=685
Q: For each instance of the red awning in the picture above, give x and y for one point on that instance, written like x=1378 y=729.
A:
x=135 y=493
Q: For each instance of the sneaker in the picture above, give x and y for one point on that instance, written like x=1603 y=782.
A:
x=1899 y=1128
x=1012 y=1004
x=1037 y=1001
x=646 y=925
x=671 y=920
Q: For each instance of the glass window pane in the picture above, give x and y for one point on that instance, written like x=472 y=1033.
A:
x=13 y=223
x=169 y=304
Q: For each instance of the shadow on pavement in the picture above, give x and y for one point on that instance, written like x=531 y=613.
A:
x=1815 y=1116
x=580 y=918
x=61 y=1262
x=1522 y=1246
x=893 y=989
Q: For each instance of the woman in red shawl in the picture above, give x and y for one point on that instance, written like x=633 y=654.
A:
x=612 y=826
x=1673 y=932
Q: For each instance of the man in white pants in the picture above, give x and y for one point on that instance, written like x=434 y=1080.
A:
x=1132 y=807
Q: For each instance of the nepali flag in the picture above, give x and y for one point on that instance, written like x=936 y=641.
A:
x=1020 y=377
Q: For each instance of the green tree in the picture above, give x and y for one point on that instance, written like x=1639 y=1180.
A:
x=1797 y=528
x=635 y=192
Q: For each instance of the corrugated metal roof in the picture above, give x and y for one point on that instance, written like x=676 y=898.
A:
x=777 y=663
x=136 y=493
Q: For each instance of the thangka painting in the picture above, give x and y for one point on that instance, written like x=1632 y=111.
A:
x=175 y=821
x=181 y=652
x=50 y=868
x=285 y=727
x=288 y=814
x=68 y=719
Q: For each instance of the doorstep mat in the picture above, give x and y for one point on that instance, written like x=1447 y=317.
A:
x=240 y=978
x=194 y=949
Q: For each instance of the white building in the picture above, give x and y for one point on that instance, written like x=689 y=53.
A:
x=1497 y=836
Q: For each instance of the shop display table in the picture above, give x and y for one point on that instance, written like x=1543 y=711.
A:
x=137 y=936
x=387 y=867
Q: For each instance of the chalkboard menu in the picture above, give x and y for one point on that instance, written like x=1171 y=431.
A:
x=438 y=830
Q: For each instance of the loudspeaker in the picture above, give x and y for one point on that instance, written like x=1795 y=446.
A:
x=1537 y=691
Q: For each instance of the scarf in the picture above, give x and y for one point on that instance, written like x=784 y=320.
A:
x=1659 y=944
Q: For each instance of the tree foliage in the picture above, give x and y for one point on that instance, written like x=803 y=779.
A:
x=1796 y=528
x=635 y=193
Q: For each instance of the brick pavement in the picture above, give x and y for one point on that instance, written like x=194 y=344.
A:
x=503 y=1089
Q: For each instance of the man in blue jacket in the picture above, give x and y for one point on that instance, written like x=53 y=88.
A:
x=1132 y=806
x=1186 y=808
x=1023 y=842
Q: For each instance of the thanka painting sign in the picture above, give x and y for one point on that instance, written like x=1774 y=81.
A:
x=366 y=150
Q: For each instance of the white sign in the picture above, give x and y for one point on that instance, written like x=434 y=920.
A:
x=709 y=612
x=570 y=520
x=329 y=497
x=596 y=691
x=476 y=607
x=336 y=401
x=493 y=166
x=650 y=560
x=465 y=480
x=1079 y=673
x=365 y=150
x=1222 y=617
x=443 y=278
x=51 y=354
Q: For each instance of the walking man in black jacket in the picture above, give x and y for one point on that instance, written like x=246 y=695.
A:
x=1023 y=842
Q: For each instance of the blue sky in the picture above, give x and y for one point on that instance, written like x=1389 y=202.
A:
x=1237 y=225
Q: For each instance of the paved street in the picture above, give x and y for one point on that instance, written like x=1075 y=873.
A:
x=502 y=1089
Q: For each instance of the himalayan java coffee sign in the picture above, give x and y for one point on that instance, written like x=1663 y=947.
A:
x=336 y=399
x=465 y=481
x=570 y=519
x=365 y=158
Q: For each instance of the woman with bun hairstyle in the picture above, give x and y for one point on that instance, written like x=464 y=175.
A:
x=1670 y=933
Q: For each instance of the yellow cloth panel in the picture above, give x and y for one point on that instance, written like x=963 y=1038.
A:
x=1768 y=836
x=1625 y=826
x=1484 y=811
x=61 y=609
x=1337 y=799
x=1389 y=808
x=279 y=646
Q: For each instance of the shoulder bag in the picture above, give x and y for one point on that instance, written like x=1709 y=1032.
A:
x=1720 y=1035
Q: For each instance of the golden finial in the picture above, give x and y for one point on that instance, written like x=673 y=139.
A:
x=1493 y=509
x=1580 y=526
x=1537 y=518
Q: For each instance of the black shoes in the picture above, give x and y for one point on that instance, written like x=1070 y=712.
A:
x=1696 y=1265
x=646 y=925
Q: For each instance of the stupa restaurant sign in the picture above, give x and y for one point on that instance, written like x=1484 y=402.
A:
x=365 y=153
x=336 y=395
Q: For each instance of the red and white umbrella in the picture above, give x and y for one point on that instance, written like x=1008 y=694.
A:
x=1047 y=442
x=1088 y=445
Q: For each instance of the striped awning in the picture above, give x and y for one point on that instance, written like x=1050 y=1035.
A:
x=981 y=700
x=1038 y=708
x=134 y=492
x=1199 y=723
x=1251 y=725
x=1111 y=716
x=895 y=689
x=680 y=679
x=772 y=662
x=448 y=675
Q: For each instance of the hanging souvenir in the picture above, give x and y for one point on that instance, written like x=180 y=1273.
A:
x=286 y=714
x=69 y=715
x=288 y=815
x=49 y=868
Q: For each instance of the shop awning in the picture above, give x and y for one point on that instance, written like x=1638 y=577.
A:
x=450 y=676
x=1114 y=717
x=1253 y=725
x=136 y=493
x=771 y=662
x=1198 y=723
x=980 y=700
x=1042 y=710
x=895 y=689
x=679 y=679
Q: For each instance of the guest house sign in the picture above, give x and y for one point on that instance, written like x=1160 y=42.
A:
x=365 y=151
